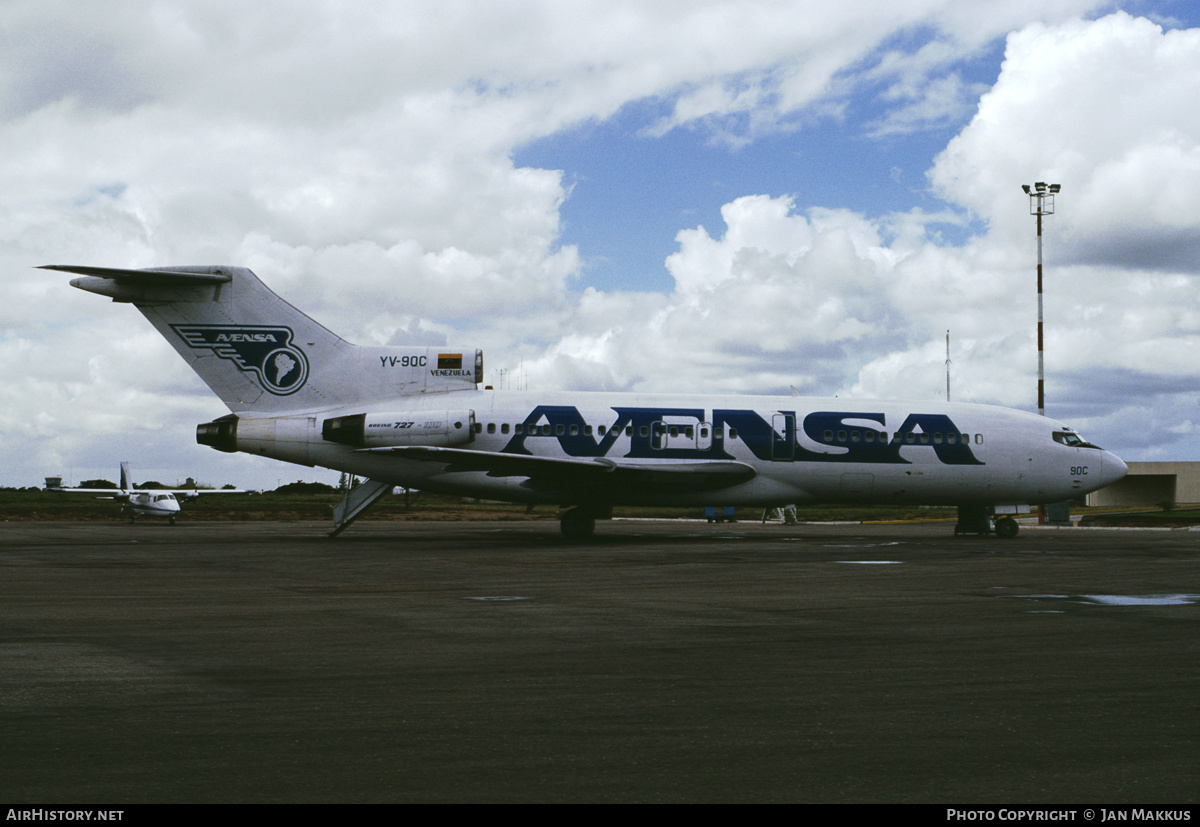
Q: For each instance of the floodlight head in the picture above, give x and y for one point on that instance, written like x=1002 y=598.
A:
x=1040 y=186
x=1026 y=188
x=1055 y=187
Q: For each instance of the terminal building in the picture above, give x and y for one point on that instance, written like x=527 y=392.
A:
x=1152 y=484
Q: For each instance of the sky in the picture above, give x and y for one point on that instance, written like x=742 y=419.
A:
x=681 y=196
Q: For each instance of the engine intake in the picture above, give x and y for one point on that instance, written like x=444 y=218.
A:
x=220 y=433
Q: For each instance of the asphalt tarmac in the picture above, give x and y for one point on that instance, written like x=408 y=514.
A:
x=666 y=662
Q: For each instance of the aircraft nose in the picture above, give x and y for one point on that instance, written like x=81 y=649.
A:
x=1112 y=469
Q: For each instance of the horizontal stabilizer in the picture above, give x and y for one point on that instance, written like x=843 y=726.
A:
x=161 y=276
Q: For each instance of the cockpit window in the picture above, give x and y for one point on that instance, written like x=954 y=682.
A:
x=1072 y=440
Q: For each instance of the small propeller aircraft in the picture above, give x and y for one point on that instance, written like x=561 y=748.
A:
x=146 y=502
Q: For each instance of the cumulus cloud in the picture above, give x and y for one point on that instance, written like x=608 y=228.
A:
x=1101 y=108
x=835 y=302
x=360 y=159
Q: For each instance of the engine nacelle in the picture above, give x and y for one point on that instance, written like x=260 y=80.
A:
x=443 y=429
x=286 y=438
x=282 y=437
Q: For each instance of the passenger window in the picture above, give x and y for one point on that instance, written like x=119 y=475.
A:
x=491 y=427
x=559 y=430
x=644 y=431
x=829 y=436
x=574 y=430
x=504 y=428
x=479 y=427
x=519 y=428
x=733 y=433
x=587 y=430
x=600 y=429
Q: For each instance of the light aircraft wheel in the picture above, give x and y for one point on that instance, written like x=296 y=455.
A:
x=578 y=525
x=172 y=520
x=1007 y=528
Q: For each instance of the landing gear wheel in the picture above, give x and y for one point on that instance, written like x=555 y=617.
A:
x=578 y=525
x=172 y=518
x=1006 y=528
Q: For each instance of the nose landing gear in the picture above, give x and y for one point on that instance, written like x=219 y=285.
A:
x=974 y=519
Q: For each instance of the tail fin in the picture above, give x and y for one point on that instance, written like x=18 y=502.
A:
x=126 y=482
x=262 y=355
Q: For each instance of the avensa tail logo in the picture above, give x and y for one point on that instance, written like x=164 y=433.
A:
x=266 y=352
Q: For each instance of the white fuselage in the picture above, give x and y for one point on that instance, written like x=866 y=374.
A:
x=153 y=503
x=801 y=449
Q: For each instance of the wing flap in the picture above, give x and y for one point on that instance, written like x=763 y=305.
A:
x=599 y=475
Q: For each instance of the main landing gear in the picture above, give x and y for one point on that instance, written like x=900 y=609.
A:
x=579 y=523
x=974 y=519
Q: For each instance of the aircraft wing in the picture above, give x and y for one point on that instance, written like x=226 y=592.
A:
x=590 y=475
x=117 y=494
x=185 y=494
x=106 y=493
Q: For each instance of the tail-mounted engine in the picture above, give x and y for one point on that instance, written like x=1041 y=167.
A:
x=291 y=437
x=442 y=429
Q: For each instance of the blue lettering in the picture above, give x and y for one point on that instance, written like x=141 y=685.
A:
x=850 y=440
x=938 y=432
x=673 y=433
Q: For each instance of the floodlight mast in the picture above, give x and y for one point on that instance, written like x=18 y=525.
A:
x=1041 y=202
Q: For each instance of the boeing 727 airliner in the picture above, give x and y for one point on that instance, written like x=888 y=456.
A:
x=416 y=417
